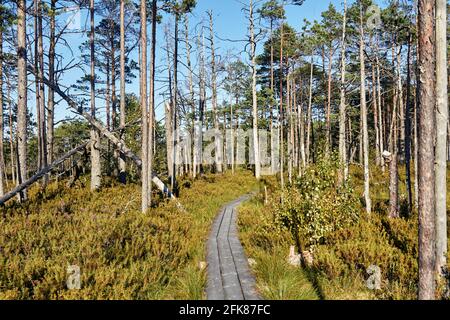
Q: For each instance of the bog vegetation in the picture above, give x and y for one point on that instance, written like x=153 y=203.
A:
x=120 y=122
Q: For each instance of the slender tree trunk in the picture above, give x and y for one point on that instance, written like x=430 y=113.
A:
x=42 y=108
x=380 y=110
x=22 y=120
x=255 y=98
x=217 y=137
x=290 y=127
x=11 y=135
x=273 y=160
x=202 y=105
x=151 y=109
x=193 y=165
x=122 y=120
x=95 y=135
x=441 y=137
x=281 y=112
x=144 y=105
x=375 y=119
x=37 y=84
x=365 y=132
x=51 y=77
x=401 y=107
x=427 y=241
x=174 y=142
x=309 y=114
x=2 y=156
x=343 y=173
x=408 y=127
x=328 y=112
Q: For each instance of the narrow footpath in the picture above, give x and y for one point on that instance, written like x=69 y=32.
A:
x=229 y=275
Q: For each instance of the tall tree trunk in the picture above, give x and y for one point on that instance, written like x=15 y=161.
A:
x=427 y=255
x=12 y=146
x=22 y=120
x=255 y=98
x=408 y=127
x=375 y=118
x=328 y=111
x=38 y=97
x=309 y=114
x=365 y=133
x=42 y=108
x=51 y=77
x=2 y=157
x=343 y=173
x=202 y=105
x=173 y=179
x=380 y=110
x=217 y=136
x=401 y=107
x=151 y=109
x=193 y=165
x=290 y=127
x=281 y=112
x=95 y=135
x=144 y=107
x=122 y=120
x=441 y=137
x=273 y=160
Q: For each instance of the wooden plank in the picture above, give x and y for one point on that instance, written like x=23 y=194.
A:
x=233 y=280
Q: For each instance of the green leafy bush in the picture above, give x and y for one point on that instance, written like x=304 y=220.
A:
x=315 y=205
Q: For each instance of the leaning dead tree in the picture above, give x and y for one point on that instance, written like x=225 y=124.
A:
x=118 y=143
x=41 y=174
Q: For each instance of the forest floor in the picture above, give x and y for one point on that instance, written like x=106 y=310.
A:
x=339 y=267
x=121 y=253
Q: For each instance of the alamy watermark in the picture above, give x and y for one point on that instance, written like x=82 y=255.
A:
x=74 y=277
x=374 y=280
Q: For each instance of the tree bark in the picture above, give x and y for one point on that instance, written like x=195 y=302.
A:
x=218 y=138
x=22 y=120
x=408 y=127
x=380 y=110
x=122 y=120
x=51 y=76
x=95 y=136
x=193 y=165
x=442 y=134
x=309 y=114
x=328 y=111
x=343 y=173
x=281 y=111
x=427 y=256
x=151 y=109
x=2 y=157
x=144 y=108
x=365 y=133
x=255 y=98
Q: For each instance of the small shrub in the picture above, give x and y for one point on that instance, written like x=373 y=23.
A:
x=316 y=206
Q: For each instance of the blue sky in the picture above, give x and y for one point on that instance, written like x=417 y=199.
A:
x=230 y=23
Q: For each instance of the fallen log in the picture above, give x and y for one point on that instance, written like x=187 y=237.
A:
x=120 y=144
x=40 y=174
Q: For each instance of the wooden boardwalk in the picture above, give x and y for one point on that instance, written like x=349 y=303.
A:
x=229 y=276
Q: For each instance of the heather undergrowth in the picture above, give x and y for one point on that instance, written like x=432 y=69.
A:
x=343 y=254
x=122 y=253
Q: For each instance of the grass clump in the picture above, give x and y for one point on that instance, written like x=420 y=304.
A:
x=269 y=245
